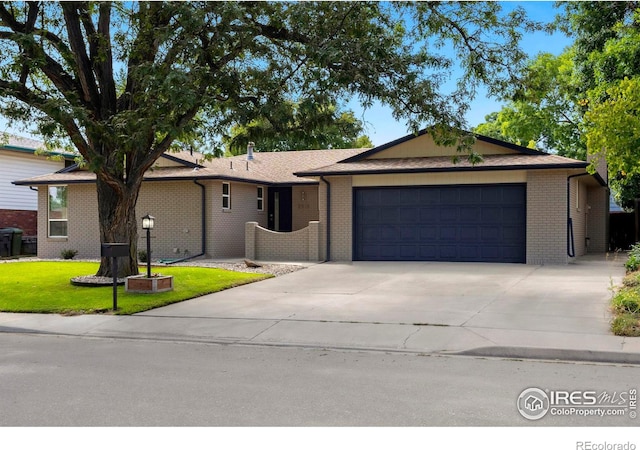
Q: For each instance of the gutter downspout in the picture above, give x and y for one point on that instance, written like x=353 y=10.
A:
x=328 y=257
x=571 y=247
x=204 y=231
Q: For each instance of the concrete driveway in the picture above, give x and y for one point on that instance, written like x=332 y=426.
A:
x=444 y=306
x=563 y=298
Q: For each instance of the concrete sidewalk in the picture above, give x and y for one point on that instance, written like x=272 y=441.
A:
x=502 y=310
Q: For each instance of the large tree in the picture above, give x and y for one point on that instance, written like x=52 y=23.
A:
x=586 y=99
x=302 y=125
x=544 y=111
x=124 y=80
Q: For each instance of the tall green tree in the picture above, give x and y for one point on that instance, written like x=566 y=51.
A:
x=544 y=111
x=299 y=126
x=123 y=81
x=585 y=100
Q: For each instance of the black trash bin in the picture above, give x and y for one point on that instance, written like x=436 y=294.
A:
x=5 y=243
x=15 y=241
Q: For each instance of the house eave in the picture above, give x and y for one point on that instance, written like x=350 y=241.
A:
x=442 y=169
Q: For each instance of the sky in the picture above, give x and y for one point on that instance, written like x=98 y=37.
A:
x=381 y=127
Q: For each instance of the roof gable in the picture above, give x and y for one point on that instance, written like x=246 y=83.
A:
x=422 y=145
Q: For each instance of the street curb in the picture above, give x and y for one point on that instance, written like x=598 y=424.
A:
x=554 y=354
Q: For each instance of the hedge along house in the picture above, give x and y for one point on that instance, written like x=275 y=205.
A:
x=201 y=207
x=407 y=200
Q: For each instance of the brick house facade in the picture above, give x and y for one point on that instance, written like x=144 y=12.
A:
x=518 y=205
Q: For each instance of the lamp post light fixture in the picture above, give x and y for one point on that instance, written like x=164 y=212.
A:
x=148 y=223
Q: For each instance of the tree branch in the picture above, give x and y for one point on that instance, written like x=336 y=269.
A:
x=83 y=64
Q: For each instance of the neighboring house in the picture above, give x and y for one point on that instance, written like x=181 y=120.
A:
x=18 y=159
x=405 y=200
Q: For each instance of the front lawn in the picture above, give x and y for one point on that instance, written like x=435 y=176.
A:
x=44 y=287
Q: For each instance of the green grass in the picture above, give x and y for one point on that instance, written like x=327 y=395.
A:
x=625 y=306
x=45 y=287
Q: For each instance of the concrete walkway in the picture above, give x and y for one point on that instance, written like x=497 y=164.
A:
x=503 y=310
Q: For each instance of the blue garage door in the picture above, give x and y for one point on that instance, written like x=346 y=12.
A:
x=482 y=223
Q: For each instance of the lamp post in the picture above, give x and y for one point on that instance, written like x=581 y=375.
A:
x=147 y=224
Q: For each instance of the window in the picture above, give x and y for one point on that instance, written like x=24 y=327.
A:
x=58 y=215
x=226 y=196
x=260 y=198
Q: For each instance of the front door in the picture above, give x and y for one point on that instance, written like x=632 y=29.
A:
x=279 y=208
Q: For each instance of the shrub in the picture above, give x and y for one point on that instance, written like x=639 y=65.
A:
x=626 y=301
x=631 y=280
x=626 y=325
x=142 y=256
x=633 y=262
x=68 y=253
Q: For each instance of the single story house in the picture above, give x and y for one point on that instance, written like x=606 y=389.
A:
x=19 y=159
x=405 y=200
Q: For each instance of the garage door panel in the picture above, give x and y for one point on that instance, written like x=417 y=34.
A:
x=512 y=214
x=409 y=214
x=428 y=233
x=491 y=214
x=448 y=252
x=441 y=223
x=470 y=214
x=388 y=233
x=429 y=214
x=449 y=214
x=490 y=234
x=448 y=233
x=469 y=252
x=491 y=195
x=428 y=253
x=468 y=234
x=409 y=197
x=429 y=197
x=409 y=233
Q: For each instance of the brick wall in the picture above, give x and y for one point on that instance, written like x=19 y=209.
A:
x=176 y=207
x=27 y=221
x=304 y=206
x=82 y=226
x=341 y=218
x=267 y=245
x=546 y=217
x=227 y=227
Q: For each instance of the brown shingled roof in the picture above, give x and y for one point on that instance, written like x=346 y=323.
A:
x=445 y=164
x=265 y=168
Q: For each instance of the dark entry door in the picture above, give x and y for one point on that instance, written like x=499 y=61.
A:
x=279 y=208
x=482 y=223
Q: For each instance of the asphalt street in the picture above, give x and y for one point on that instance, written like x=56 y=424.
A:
x=48 y=380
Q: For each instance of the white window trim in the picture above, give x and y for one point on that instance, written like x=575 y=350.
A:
x=49 y=219
x=260 y=198
x=227 y=196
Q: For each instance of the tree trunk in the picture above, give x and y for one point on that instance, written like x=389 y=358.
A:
x=118 y=224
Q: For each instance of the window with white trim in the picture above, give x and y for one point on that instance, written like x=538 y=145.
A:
x=57 y=212
x=226 y=196
x=260 y=195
